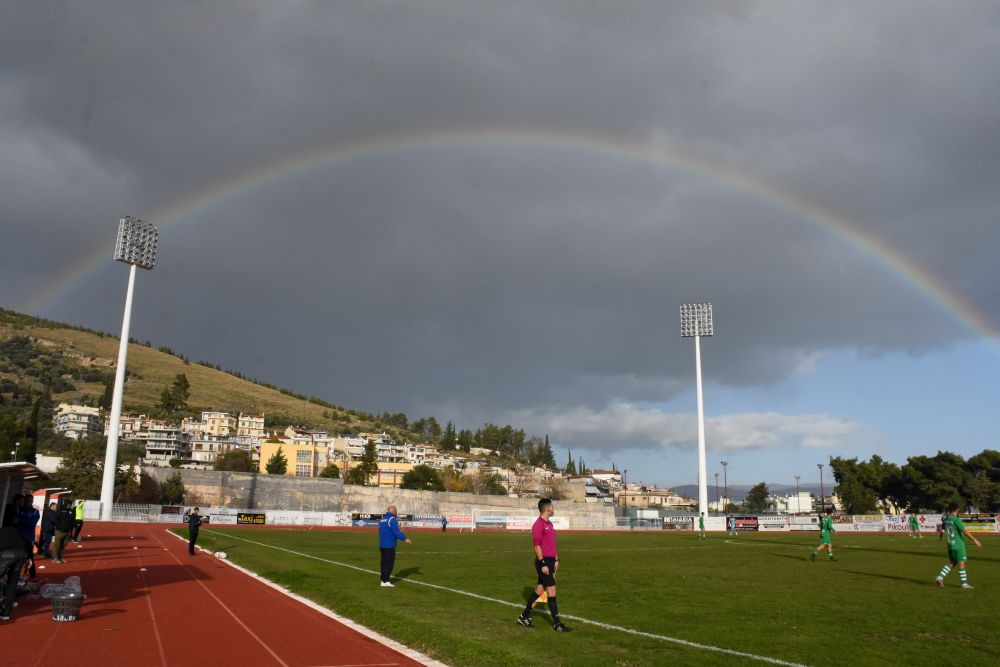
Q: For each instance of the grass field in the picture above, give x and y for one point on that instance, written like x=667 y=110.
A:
x=757 y=594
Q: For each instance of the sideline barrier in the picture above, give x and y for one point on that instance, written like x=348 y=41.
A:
x=862 y=523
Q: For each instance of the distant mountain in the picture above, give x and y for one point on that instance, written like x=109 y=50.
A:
x=737 y=492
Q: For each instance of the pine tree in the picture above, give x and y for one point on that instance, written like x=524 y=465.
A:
x=570 y=465
x=448 y=437
x=277 y=464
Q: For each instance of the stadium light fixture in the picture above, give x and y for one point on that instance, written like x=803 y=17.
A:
x=798 y=499
x=696 y=321
x=135 y=246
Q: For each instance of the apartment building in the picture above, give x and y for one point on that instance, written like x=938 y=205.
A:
x=219 y=423
x=77 y=421
x=164 y=442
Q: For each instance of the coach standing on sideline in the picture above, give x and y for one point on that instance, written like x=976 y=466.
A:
x=194 y=524
x=388 y=534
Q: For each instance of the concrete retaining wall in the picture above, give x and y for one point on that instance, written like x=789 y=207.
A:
x=277 y=492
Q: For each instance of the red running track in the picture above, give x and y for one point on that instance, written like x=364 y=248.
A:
x=182 y=610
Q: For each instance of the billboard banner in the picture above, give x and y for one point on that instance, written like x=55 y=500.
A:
x=222 y=516
x=803 y=523
x=362 y=519
x=251 y=519
x=677 y=523
x=979 y=523
x=461 y=521
x=747 y=524
x=524 y=522
x=426 y=521
x=771 y=523
x=495 y=521
x=336 y=519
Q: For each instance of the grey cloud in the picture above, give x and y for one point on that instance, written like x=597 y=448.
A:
x=487 y=279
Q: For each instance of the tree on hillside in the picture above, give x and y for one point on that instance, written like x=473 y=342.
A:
x=235 y=460
x=756 y=500
x=330 y=471
x=422 y=478
x=174 y=397
x=104 y=402
x=172 y=490
x=80 y=470
x=570 y=466
x=277 y=464
x=448 y=437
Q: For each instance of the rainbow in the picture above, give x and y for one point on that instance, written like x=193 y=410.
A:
x=659 y=154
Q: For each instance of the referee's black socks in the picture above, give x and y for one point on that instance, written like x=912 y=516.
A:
x=527 y=610
x=554 y=609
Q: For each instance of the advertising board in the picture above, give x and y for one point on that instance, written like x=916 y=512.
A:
x=771 y=523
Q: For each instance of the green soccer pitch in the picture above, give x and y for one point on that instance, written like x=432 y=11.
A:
x=646 y=598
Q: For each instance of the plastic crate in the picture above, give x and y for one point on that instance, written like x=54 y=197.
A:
x=66 y=608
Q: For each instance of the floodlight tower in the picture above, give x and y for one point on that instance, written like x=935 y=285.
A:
x=696 y=321
x=136 y=246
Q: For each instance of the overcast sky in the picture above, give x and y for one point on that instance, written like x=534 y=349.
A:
x=516 y=198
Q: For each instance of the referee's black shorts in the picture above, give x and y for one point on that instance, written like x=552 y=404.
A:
x=549 y=579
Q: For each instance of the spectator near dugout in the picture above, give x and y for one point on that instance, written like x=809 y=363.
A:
x=64 y=528
x=14 y=552
x=48 y=530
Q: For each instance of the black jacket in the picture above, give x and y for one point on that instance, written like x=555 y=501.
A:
x=48 y=520
x=12 y=542
x=65 y=520
x=194 y=522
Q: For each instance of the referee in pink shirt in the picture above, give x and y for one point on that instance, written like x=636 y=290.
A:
x=543 y=535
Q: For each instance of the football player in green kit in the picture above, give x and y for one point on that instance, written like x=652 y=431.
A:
x=955 y=534
x=825 y=536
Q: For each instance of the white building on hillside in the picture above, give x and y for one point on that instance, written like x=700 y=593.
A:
x=77 y=421
x=164 y=442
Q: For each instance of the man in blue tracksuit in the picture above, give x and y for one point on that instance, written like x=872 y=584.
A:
x=388 y=534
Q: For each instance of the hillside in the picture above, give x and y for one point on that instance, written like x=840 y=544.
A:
x=75 y=364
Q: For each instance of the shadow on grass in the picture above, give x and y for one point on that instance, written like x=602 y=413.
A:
x=917 y=582
x=408 y=572
x=804 y=557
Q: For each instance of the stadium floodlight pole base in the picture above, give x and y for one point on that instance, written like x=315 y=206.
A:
x=111 y=455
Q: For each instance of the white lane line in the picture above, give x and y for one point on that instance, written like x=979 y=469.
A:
x=360 y=629
x=152 y=615
x=223 y=605
x=606 y=626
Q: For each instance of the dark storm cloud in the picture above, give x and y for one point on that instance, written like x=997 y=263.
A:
x=506 y=279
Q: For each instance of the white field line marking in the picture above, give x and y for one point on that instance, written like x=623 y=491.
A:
x=606 y=626
x=360 y=629
x=223 y=605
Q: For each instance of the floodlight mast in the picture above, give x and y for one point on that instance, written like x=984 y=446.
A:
x=135 y=246
x=696 y=321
